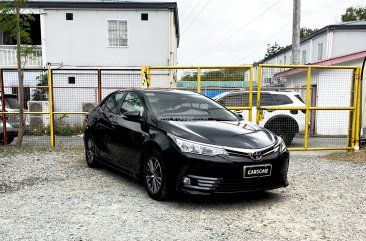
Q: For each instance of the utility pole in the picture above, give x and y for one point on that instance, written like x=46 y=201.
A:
x=296 y=32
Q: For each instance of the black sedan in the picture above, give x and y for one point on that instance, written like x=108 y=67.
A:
x=182 y=141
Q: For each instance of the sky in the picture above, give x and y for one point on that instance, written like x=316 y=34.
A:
x=234 y=32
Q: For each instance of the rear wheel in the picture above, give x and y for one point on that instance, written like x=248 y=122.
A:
x=10 y=139
x=90 y=153
x=284 y=128
x=154 y=176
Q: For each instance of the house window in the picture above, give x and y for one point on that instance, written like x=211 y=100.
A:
x=71 y=80
x=320 y=51
x=69 y=16
x=144 y=16
x=284 y=59
x=303 y=57
x=117 y=33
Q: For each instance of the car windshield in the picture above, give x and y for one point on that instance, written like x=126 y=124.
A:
x=178 y=106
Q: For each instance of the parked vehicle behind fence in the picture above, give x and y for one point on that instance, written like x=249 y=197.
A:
x=284 y=123
x=12 y=120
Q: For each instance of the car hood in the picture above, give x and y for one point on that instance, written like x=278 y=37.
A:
x=230 y=134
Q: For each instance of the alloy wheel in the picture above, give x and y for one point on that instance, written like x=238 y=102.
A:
x=90 y=152
x=153 y=175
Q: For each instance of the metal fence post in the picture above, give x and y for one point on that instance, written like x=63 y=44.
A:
x=3 y=107
x=199 y=80
x=50 y=99
x=308 y=84
x=258 y=102
x=356 y=136
x=250 y=93
x=99 y=86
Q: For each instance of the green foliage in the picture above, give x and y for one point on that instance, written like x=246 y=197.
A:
x=304 y=32
x=61 y=128
x=9 y=22
x=272 y=49
x=41 y=92
x=354 y=14
x=218 y=75
x=64 y=129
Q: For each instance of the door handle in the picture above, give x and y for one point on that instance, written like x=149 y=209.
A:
x=114 y=124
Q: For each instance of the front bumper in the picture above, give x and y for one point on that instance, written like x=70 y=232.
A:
x=211 y=175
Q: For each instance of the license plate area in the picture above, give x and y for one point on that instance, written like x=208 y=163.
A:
x=264 y=170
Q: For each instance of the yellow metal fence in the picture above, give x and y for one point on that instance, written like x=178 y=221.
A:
x=311 y=107
x=326 y=117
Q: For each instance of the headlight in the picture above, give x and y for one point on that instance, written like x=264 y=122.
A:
x=197 y=148
x=280 y=145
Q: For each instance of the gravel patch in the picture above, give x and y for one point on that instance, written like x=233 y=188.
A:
x=55 y=196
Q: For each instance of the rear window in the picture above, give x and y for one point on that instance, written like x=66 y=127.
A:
x=11 y=102
x=282 y=99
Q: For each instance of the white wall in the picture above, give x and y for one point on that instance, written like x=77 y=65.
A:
x=84 y=40
x=333 y=90
x=348 y=41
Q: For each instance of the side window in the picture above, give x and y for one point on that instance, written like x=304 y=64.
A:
x=112 y=103
x=266 y=100
x=282 y=99
x=236 y=100
x=132 y=102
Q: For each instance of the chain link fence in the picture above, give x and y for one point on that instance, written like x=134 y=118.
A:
x=310 y=107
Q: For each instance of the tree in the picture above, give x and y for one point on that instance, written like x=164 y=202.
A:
x=16 y=24
x=272 y=49
x=304 y=32
x=354 y=14
x=40 y=93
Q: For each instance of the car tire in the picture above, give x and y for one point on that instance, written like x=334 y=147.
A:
x=287 y=138
x=90 y=153
x=283 y=128
x=10 y=139
x=154 y=176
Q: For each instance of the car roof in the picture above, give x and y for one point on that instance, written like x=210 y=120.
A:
x=167 y=91
x=255 y=91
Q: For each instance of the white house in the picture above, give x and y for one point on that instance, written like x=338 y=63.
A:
x=100 y=34
x=340 y=44
x=94 y=34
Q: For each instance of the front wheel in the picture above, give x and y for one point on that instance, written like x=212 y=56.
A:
x=90 y=153
x=154 y=176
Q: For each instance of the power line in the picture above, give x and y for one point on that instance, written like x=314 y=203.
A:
x=238 y=30
x=186 y=8
x=203 y=8
x=268 y=39
x=192 y=11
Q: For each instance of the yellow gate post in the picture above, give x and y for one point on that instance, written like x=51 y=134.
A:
x=50 y=99
x=250 y=93
x=145 y=77
x=199 y=80
x=308 y=84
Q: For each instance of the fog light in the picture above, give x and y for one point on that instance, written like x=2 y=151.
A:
x=186 y=181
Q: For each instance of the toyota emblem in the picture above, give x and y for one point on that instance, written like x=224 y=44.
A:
x=256 y=156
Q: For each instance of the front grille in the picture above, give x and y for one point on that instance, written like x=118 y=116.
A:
x=245 y=185
x=237 y=152
x=224 y=185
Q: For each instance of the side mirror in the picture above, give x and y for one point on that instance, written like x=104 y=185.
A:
x=133 y=115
